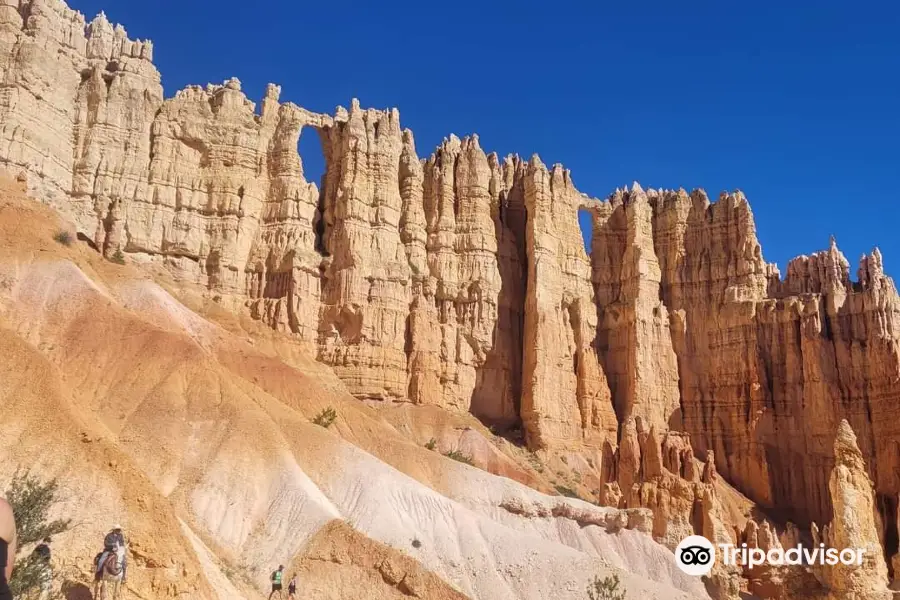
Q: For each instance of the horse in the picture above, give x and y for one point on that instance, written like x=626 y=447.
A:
x=110 y=571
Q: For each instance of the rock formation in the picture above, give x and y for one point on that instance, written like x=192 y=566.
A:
x=854 y=526
x=767 y=368
x=365 y=285
x=565 y=393
x=460 y=280
x=660 y=473
x=465 y=316
x=634 y=336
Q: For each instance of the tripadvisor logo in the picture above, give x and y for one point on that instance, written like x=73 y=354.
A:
x=696 y=555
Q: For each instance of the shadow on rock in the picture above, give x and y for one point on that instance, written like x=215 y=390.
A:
x=73 y=590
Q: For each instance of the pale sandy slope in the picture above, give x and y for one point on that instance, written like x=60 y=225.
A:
x=198 y=439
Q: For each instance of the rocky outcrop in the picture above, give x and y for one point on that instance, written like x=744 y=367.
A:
x=634 y=338
x=565 y=393
x=461 y=280
x=407 y=277
x=461 y=355
x=659 y=472
x=77 y=101
x=854 y=526
x=365 y=292
x=768 y=367
x=283 y=278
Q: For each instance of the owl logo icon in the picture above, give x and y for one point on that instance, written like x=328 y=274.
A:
x=695 y=555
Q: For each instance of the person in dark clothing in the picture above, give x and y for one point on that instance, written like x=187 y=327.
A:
x=113 y=540
x=42 y=552
x=7 y=547
x=292 y=588
x=43 y=549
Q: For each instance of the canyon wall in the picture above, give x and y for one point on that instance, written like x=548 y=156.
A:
x=461 y=280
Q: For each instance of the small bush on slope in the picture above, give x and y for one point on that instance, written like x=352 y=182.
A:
x=566 y=491
x=118 y=257
x=325 y=418
x=605 y=589
x=63 y=237
x=459 y=457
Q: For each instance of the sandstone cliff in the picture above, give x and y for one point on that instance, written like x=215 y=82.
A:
x=198 y=434
x=460 y=281
x=406 y=276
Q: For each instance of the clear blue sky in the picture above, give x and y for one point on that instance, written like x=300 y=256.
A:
x=796 y=105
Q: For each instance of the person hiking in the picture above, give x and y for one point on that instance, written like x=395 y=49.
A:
x=7 y=547
x=277 y=575
x=42 y=556
x=292 y=587
x=42 y=550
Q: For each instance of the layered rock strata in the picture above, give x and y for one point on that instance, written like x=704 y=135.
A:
x=461 y=280
x=767 y=368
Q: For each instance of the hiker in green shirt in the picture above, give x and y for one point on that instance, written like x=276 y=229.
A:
x=276 y=582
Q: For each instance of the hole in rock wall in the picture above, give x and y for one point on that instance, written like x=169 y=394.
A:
x=586 y=223
x=310 y=150
x=312 y=158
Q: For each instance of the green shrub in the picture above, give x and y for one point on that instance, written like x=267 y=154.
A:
x=118 y=257
x=536 y=463
x=606 y=589
x=27 y=576
x=63 y=237
x=432 y=444
x=566 y=491
x=325 y=418
x=31 y=500
x=459 y=457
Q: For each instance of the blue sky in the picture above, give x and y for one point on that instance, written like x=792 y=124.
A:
x=795 y=105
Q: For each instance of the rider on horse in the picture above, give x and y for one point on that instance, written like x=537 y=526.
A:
x=113 y=552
